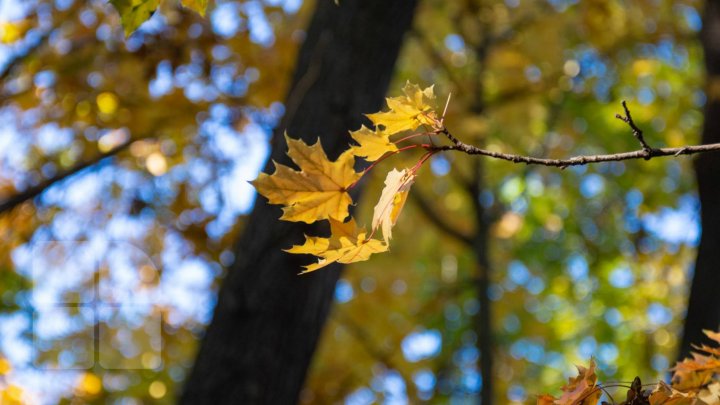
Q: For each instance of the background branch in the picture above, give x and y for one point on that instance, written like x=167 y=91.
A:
x=432 y=215
x=32 y=192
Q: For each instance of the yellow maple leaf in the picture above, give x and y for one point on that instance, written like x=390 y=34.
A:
x=347 y=244
x=392 y=200
x=407 y=112
x=373 y=144
x=581 y=390
x=318 y=191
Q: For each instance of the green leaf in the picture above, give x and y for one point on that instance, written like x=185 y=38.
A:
x=135 y=12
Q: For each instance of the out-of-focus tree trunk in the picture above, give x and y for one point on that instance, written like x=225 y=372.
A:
x=268 y=319
x=266 y=325
x=704 y=303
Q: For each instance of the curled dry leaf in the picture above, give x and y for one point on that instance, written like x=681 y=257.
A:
x=580 y=390
x=392 y=200
x=664 y=394
x=694 y=382
x=696 y=372
x=710 y=394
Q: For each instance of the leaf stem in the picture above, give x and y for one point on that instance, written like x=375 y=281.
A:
x=383 y=157
x=416 y=135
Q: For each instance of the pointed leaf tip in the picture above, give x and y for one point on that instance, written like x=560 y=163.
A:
x=318 y=191
x=346 y=244
x=407 y=112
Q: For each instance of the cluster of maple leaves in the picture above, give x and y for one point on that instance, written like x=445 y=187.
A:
x=319 y=190
x=694 y=382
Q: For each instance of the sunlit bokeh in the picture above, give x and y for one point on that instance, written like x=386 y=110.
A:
x=109 y=276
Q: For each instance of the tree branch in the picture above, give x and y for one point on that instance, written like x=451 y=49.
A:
x=433 y=216
x=637 y=133
x=23 y=55
x=32 y=192
x=647 y=152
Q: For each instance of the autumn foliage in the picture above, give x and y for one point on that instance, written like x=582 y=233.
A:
x=319 y=190
x=694 y=382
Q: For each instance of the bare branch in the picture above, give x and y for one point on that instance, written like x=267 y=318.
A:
x=32 y=192
x=646 y=152
x=22 y=56
x=637 y=133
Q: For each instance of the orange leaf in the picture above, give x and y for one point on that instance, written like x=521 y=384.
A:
x=663 y=394
x=582 y=390
x=546 y=399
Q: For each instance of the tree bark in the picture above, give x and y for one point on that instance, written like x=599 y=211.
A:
x=267 y=321
x=704 y=302
x=483 y=320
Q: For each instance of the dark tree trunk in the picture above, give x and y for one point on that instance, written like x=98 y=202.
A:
x=704 y=303
x=266 y=325
x=483 y=320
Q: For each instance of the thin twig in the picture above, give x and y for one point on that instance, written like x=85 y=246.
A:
x=583 y=159
x=637 y=132
x=447 y=104
x=646 y=152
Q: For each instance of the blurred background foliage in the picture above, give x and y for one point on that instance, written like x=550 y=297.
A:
x=159 y=133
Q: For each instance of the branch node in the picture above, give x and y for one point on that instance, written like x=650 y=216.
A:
x=649 y=152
